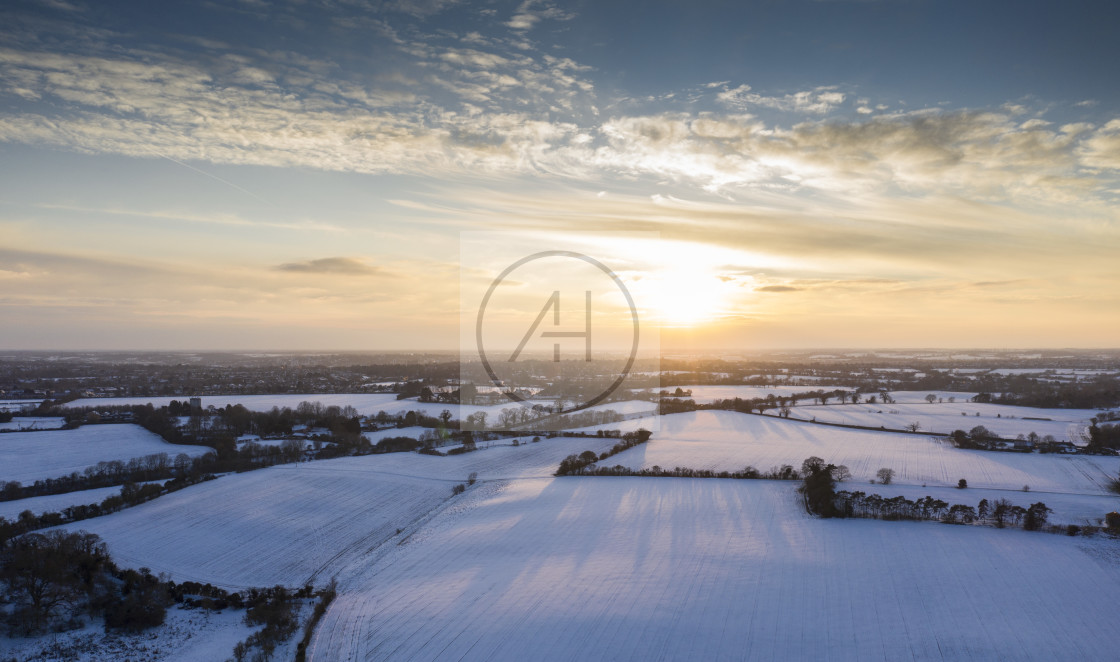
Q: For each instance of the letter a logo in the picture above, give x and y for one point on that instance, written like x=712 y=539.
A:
x=553 y=303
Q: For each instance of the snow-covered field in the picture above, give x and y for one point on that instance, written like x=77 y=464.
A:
x=55 y=503
x=724 y=440
x=704 y=393
x=34 y=423
x=1080 y=509
x=365 y=403
x=944 y=417
x=30 y=456
x=18 y=405
x=675 y=569
x=708 y=393
x=283 y=525
x=186 y=636
x=413 y=431
x=460 y=412
x=903 y=397
x=290 y=523
x=497 y=459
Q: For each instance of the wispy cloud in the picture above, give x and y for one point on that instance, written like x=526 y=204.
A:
x=346 y=266
x=777 y=288
x=531 y=12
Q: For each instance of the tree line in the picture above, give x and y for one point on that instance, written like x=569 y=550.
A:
x=131 y=494
x=576 y=464
x=58 y=580
x=821 y=498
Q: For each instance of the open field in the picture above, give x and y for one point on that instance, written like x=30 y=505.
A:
x=1080 y=509
x=186 y=636
x=944 y=417
x=724 y=440
x=56 y=502
x=641 y=569
x=365 y=403
x=289 y=523
x=707 y=393
x=282 y=525
x=30 y=456
x=34 y=423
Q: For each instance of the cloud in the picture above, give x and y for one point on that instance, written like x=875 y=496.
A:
x=777 y=288
x=346 y=266
x=531 y=12
x=419 y=8
x=817 y=101
x=493 y=109
x=1102 y=148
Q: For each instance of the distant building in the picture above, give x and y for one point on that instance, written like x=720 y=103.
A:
x=196 y=405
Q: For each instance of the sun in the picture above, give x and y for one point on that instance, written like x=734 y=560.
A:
x=690 y=296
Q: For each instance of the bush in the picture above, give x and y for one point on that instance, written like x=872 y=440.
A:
x=141 y=605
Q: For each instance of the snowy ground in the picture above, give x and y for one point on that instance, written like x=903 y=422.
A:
x=365 y=403
x=18 y=405
x=56 y=502
x=299 y=522
x=643 y=569
x=460 y=412
x=284 y=525
x=498 y=459
x=30 y=456
x=903 y=397
x=707 y=393
x=413 y=431
x=944 y=417
x=1080 y=509
x=186 y=636
x=725 y=440
x=34 y=423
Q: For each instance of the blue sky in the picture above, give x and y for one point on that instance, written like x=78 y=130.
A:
x=295 y=174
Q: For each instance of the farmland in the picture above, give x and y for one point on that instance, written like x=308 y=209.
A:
x=294 y=523
x=30 y=456
x=728 y=441
x=638 y=569
x=944 y=417
x=283 y=525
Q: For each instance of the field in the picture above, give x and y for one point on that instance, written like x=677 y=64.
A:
x=525 y=565
x=56 y=502
x=642 y=569
x=705 y=393
x=282 y=525
x=34 y=423
x=1080 y=509
x=708 y=393
x=944 y=417
x=365 y=403
x=186 y=636
x=724 y=440
x=30 y=456
x=301 y=522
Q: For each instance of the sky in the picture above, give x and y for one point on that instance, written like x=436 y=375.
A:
x=297 y=174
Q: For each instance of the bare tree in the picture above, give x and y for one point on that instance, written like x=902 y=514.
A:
x=885 y=475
